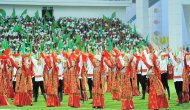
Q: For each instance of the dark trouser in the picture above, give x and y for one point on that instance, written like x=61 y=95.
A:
x=90 y=85
x=138 y=80
x=164 y=79
x=189 y=92
x=33 y=82
x=81 y=90
x=178 y=88
x=38 y=84
x=14 y=85
x=144 y=83
x=60 y=90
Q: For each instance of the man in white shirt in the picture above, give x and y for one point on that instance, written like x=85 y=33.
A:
x=38 y=71
x=178 y=71
x=60 y=65
x=163 y=59
x=90 y=71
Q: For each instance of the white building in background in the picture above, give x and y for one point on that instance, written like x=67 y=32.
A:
x=72 y=8
x=165 y=18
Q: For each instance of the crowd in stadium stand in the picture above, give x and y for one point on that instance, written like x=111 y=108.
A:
x=45 y=33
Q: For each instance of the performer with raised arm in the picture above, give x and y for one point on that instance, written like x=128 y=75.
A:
x=98 y=84
x=38 y=71
x=74 y=85
x=163 y=59
x=126 y=87
x=52 y=85
x=60 y=63
x=157 y=98
x=116 y=87
x=3 y=84
x=90 y=71
x=178 y=63
x=186 y=76
x=23 y=84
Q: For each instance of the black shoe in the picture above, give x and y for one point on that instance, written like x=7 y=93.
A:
x=35 y=99
x=45 y=96
x=90 y=97
x=169 y=98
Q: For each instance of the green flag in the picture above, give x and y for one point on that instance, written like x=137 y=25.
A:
x=56 y=24
x=68 y=35
x=113 y=15
x=53 y=29
x=70 y=45
x=55 y=39
x=78 y=42
x=110 y=45
x=41 y=47
x=24 y=12
x=134 y=31
x=60 y=45
x=101 y=30
x=139 y=44
x=36 y=15
x=134 y=50
x=28 y=18
x=47 y=14
x=147 y=40
x=17 y=28
x=5 y=44
x=23 y=48
x=2 y=22
x=44 y=26
x=2 y=12
x=14 y=13
x=31 y=46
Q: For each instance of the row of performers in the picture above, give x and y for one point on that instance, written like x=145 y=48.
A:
x=22 y=75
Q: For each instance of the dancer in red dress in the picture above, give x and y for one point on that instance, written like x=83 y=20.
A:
x=98 y=87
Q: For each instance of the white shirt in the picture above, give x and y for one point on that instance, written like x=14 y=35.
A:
x=144 y=67
x=163 y=64
x=80 y=64
x=61 y=69
x=14 y=74
x=178 y=68
x=139 y=66
x=38 y=69
x=90 y=69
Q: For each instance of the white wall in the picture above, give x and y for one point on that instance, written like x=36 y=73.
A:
x=97 y=11
x=155 y=16
x=92 y=8
x=164 y=8
x=179 y=23
x=186 y=25
x=142 y=22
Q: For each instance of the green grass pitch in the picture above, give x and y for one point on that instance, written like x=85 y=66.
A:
x=109 y=103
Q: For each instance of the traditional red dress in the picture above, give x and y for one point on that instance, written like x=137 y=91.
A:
x=157 y=98
x=74 y=85
x=116 y=87
x=10 y=85
x=74 y=94
x=3 y=86
x=186 y=81
x=134 y=80
x=22 y=98
x=84 y=86
x=126 y=94
x=98 y=89
x=109 y=80
x=52 y=86
x=66 y=81
x=11 y=93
